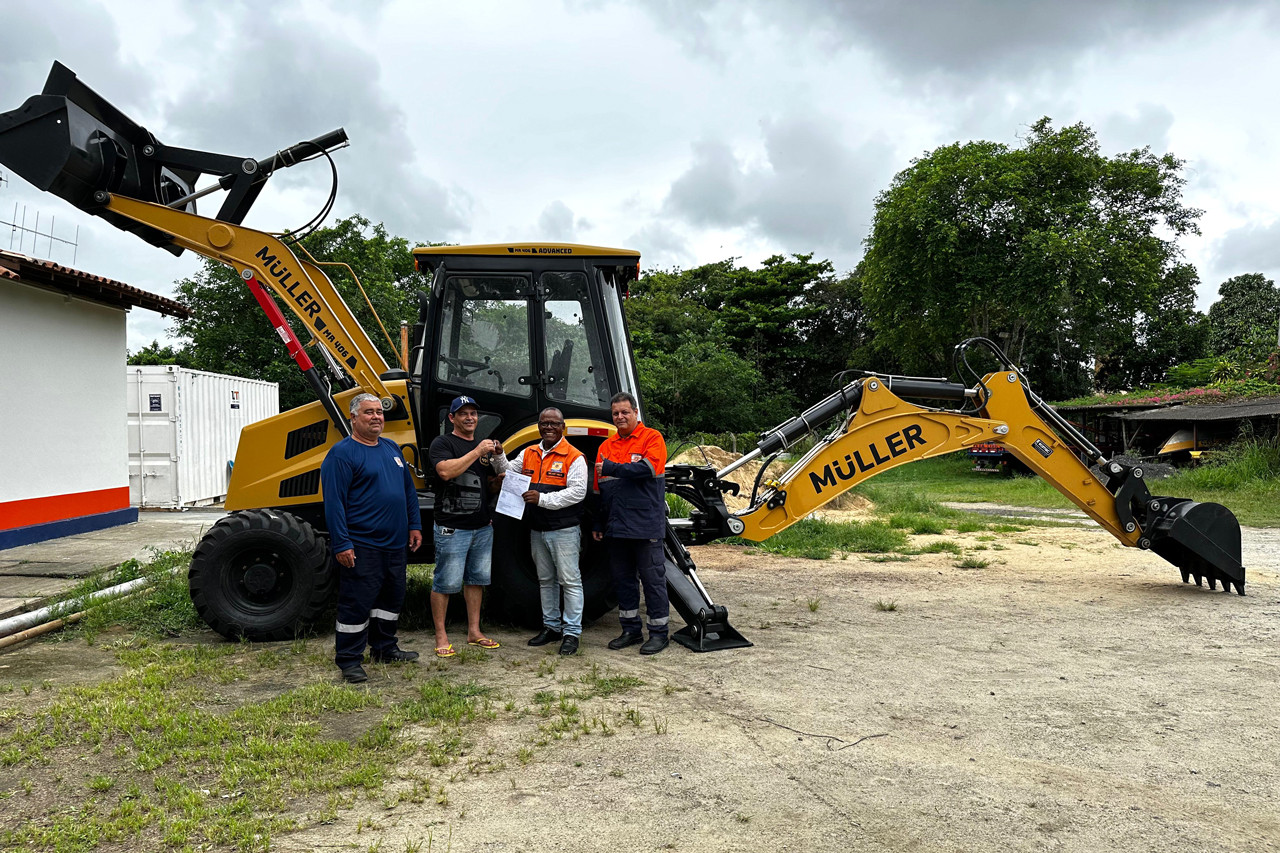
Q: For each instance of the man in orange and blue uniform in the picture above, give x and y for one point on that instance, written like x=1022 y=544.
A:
x=630 y=467
x=557 y=474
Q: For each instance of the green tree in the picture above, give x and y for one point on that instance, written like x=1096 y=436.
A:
x=1243 y=322
x=1172 y=333
x=727 y=348
x=153 y=353
x=701 y=386
x=1050 y=249
x=228 y=333
x=765 y=312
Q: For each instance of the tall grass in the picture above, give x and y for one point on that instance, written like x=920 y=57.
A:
x=1245 y=478
x=1243 y=465
x=162 y=610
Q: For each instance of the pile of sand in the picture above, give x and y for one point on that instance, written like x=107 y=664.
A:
x=719 y=458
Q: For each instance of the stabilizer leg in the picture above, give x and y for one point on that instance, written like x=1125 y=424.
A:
x=707 y=627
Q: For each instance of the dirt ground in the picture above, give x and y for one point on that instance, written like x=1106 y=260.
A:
x=1070 y=695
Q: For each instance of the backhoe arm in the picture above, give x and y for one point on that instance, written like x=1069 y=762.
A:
x=301 y=285
x=883 y=431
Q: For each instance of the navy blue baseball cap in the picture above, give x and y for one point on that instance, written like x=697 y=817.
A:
x=459 y=402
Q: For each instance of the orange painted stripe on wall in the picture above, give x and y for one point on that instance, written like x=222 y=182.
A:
x=31 y=511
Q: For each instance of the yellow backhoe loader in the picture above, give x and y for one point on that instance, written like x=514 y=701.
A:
x=521 y=326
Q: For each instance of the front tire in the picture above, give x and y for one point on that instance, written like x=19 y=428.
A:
x=261 y=575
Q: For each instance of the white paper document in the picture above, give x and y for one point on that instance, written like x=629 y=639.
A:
x=510 y=496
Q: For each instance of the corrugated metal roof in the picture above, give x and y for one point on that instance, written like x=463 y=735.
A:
x=16 y=267
x=1259 y=407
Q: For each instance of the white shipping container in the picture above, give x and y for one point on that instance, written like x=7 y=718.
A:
x=184 y=426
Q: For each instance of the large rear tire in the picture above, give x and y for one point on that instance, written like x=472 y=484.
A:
x=261 y=574
x=513 y=593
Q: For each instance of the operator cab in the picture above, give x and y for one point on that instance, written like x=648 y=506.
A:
x=520 y=327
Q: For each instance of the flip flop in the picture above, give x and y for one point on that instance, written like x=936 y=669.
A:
x=445 y=651
x=485 y=643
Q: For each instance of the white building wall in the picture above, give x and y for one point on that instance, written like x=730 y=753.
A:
x=63 y=430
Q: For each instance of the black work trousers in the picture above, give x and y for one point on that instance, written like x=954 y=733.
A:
x=643 y=560
x=370 y=595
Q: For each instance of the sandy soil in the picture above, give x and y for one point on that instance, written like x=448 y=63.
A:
x=1071 y=695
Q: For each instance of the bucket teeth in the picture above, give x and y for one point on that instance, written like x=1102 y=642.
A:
x=1186 y=576
x=1213 y=582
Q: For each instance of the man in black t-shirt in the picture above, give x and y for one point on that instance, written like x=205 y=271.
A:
x=464 y=537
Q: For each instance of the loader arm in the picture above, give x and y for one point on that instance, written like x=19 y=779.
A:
x=299 y=284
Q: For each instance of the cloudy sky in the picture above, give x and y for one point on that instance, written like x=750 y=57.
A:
x=691 y=130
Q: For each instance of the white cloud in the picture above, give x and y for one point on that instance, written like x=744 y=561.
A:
x=694 y=131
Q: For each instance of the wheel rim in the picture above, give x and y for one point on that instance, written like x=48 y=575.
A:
x=258 y=580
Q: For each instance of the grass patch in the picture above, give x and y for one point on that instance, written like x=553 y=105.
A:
x=169 y=763
x=972 y=563
x=678 y=507
x=163 y=610
x=813 y=539
x=918 y=523
x=950 y=478
x=598 y=684
x=886 y=606
x=941 y=547
x=1244 y=477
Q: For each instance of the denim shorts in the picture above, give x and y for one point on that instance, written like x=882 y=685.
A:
x=462 y=557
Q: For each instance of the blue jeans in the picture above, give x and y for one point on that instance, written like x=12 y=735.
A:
x=462 y=557
x=555 y=553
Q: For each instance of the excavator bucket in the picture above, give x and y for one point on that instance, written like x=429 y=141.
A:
x=1201 y=539
x=71 y=142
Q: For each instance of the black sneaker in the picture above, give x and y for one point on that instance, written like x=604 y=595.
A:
x=396 y=655
x=569 y=645
x=354 y=674
x=653 y=645
x=546 y=635
x=625 y=639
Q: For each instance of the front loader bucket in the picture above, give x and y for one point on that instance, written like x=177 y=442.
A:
x=1201 y=539
x=71 y=142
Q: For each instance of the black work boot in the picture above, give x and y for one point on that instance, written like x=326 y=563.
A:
x=569 y=646
x=354 y=674
x=653 y=645
x=396 y=655
x=627 y=638
x=546 y=635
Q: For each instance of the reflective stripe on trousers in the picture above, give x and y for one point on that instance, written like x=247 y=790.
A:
x=370 y=595
x=637 y=563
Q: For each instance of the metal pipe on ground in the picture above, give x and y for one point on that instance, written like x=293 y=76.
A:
x=24 y=621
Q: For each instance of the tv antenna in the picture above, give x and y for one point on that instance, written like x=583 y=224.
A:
x=20 y=232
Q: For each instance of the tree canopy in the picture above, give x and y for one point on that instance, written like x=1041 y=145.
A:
x=1051 y=249
x=725 y=348
x=1243 y=322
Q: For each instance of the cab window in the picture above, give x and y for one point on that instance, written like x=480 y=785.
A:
x=485 y=334
x=574 y=355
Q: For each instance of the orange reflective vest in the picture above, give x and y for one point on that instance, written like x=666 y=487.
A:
x=548 y=472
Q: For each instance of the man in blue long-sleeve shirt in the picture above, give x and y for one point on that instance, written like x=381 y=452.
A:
x=371 y=508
